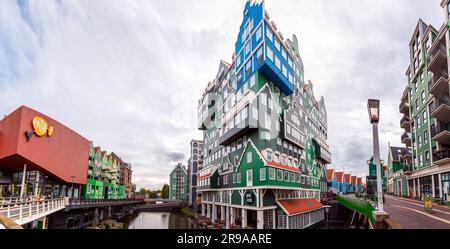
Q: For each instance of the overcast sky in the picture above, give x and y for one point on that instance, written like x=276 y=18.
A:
x=128 y=74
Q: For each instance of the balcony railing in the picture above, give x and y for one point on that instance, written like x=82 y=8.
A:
x=407 y=168
x=439 y=102
x=438 y=58
x=404 y=119
x=404 y=106
x=406 y=135
x=441 y=155
x=439 y=128
x=439 y=83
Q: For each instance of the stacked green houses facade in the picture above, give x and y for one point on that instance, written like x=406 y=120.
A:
x=426 y=108
x=103 y=176
x=178 y=186
x=265 y=134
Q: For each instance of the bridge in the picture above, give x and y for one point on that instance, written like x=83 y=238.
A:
x=160 y=205
x=23 y=212
x=17 y=211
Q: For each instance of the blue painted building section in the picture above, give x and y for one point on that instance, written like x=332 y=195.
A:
x=334 y=184
x=258 y=49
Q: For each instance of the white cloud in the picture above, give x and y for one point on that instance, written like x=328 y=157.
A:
x=128 y=74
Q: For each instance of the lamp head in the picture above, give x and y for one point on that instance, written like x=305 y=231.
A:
x=373 y=107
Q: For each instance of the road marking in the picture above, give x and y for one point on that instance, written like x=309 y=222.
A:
x=414 y=203
x=420 y=212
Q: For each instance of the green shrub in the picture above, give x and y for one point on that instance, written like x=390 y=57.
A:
x=188 y=212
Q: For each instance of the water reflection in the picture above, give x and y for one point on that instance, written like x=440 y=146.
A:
x=160 y=220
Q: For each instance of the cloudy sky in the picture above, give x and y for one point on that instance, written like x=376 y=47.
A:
x=128 y=74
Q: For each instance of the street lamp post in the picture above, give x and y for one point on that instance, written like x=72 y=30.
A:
x=73 y=177
x=373 y=107
x=327 y=208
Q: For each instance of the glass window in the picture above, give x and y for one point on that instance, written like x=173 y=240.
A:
x=277 y=62
x=259 y=33
x=271 y=173
x=252 y=81
x=269 y=34
x=249 y=157
x=277 y=44
x=262 y=174
x=269 y=53
x=286 y=176
x=280 y=175
x=238 y=177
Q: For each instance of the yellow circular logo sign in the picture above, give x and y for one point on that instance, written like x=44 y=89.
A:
x=40 y=126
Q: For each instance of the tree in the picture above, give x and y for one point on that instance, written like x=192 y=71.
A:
x=165 y=192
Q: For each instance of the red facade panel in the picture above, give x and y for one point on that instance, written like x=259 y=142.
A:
x=62 y=155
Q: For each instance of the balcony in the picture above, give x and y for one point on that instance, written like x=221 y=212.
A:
x=405 y=123
x=441 y=156
x=441 y=133
x=439 y=86
x=406 y=138
x=244 y=127
x=404 y=107
x=438 y=58
x=440 y=109
x=407 y=156
x=407 y=168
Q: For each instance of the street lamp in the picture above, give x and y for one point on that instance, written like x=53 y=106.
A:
x=73 y=177
x=373 y=106
x=327 y=208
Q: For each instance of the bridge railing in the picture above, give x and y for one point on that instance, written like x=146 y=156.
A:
x=82 y=202
x=24 y=212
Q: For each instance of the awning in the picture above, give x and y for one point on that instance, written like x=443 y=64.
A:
x=297 y=206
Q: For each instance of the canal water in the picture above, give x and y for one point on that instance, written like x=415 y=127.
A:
x=159 y=220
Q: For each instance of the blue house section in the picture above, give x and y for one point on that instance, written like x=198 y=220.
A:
x=258 y=49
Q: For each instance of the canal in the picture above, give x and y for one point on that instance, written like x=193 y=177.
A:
x=159 y=220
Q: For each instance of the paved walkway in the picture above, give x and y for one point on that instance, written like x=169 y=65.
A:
x=411 y=214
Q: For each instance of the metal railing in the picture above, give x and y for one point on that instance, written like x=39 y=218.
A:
x=25 y=212
x=438 y=102
x=407 y=167
x=405 y=119
x=439 y=128
x=441 y=154
x=435 y=52
x=406 y=135
x=443 y=76
x=82 y=202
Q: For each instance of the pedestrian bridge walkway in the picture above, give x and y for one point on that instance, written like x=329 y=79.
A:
x=23 y=212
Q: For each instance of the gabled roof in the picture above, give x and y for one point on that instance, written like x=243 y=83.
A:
x=398 y=153
x=347 y=178
x=298 y=206
x=96 y=149
x=354 y=180
x=359 y=181
x=339 y=176
x=103 y=153
x=330 y=173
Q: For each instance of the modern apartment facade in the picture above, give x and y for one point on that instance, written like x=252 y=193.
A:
x=265 y=134
x=195 y=163
x=426 y=104
x=178 y=183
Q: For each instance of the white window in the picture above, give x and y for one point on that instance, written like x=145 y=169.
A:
x=238 y=177
x=269 y=34
x=284 y=53
x=277 y=62
x=248 y=48
x=249 y=157
x=238 y=60
x=285 y=73
x=272 y=173
x=258 y=33
x=262 y=174
x=252 y=81
x=277 y=45
x=269 y=53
